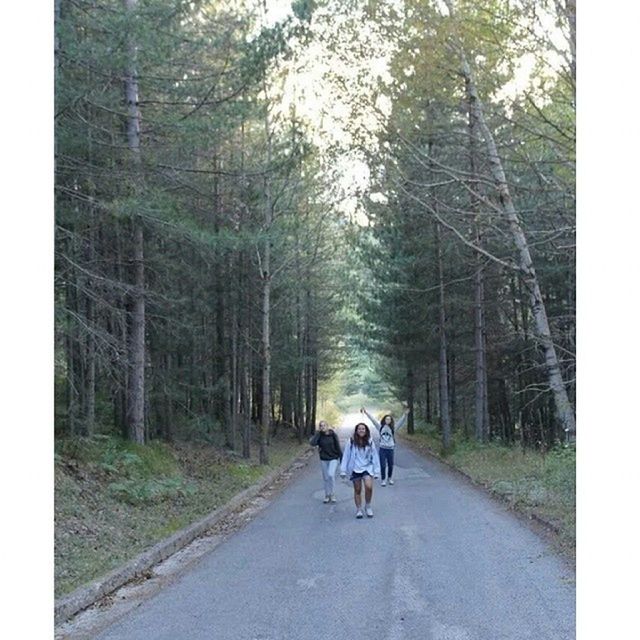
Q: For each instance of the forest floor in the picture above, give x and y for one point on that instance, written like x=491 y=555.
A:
x=539 y=486
x=114 y=499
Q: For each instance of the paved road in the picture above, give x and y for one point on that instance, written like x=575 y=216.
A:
x=439 y=561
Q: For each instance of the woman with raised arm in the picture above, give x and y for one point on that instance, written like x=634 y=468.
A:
x=387 y=429
x=361 y=461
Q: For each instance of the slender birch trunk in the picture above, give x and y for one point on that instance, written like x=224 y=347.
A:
x=543 y=332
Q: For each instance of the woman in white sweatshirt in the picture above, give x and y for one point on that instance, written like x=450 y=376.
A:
x=387 y=429
x=361 y=461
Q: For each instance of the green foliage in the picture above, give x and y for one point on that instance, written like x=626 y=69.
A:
x=118 y=456
x=105 y=517
x=245 y=472
x=143 y=461
x=199 y=193
x=426 y=151
x=140 y=490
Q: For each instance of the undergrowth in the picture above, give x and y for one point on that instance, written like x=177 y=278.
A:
x=114 y=499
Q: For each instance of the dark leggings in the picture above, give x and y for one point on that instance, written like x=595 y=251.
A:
x=386 y=458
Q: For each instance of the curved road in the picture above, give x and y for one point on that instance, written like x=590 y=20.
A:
x=440 y=560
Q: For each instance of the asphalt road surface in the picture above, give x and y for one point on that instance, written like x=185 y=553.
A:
x=440 y=560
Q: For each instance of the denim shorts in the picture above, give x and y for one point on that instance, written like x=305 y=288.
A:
x=358 y=475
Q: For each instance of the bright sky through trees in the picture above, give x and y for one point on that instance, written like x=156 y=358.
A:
x=337 y=90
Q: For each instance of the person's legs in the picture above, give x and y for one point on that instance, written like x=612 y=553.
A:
x=326 y=478
x=383 y=463
x=368 y=493
x=331 y=485
x=357 y=489
x=390 y=453
x=368 y=489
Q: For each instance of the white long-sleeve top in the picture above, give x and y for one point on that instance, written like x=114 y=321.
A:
x=360 y=459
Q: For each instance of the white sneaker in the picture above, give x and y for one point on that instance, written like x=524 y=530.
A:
x=390 y=481
x=326 y=499
x=384 y=483
x=369 y=511
x=332 y=499
x=359 y=513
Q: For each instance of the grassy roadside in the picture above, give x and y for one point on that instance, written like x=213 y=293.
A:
x=114 y=499
x=536 y=484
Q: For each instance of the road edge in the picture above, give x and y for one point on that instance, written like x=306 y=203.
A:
x=84 y=597
x=551 y=530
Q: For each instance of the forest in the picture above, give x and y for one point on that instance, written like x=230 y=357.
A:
x=255 y=198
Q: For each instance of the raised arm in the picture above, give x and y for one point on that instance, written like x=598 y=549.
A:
x=374 y=422
x=402 y=420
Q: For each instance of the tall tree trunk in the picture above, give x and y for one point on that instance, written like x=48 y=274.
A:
x=228 y=388
x=543 y=331
x=481 y=393
x=286 y=402
x=300 y=377
x=308 y=378
x=73 y=395
x=120 y=322
x=411 y=384
x=314 y=392
x=266 y=293
x=244 y=324
x=167 y=431
x=135 y=395
x=90 y=373
x=429 y=409
x=89 y=355
x=443 y=375
x=235 y=387
x=137 y=356
x=266 y=358
x=453 y=396
x=245 y=373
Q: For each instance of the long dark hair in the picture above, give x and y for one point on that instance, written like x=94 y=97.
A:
x=361 y=441
x=392 y=422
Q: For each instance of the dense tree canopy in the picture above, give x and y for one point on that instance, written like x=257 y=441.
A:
x=250 y=196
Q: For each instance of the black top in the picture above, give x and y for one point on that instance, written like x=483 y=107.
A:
x=328 y=445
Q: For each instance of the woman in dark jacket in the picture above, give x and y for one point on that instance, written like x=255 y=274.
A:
x=326 y=440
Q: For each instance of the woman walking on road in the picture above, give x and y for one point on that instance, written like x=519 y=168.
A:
x=361 y=461
x=330 y=454
x=387 y=430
